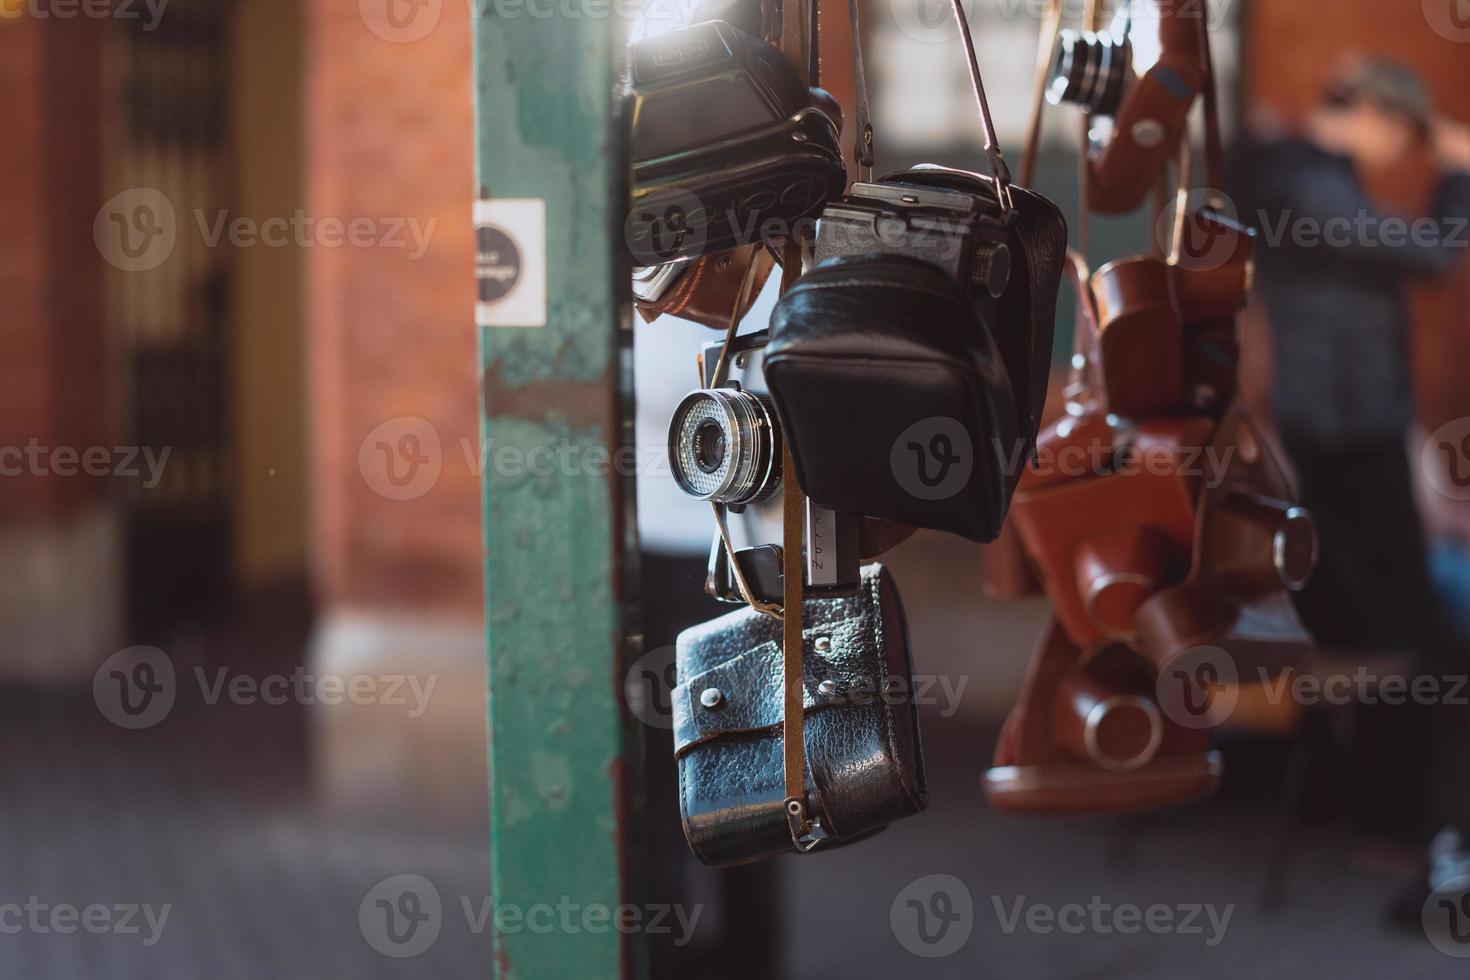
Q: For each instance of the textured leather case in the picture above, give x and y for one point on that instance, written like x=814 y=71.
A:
x=728 y=144
x=864 y=760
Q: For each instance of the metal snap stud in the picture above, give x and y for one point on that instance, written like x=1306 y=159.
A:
x=823 y=644
x=828 y=686
x=711 y=697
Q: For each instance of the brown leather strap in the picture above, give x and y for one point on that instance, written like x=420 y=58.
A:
x=795 y=44
x=862 y=148
x=791 y=641
x=1051 y=31
x=1214 y=149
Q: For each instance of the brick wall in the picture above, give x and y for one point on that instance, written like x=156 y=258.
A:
x=392 y=338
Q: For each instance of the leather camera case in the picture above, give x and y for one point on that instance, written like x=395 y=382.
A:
x=1151 y=108
x=728 y=144
x=894 y=341
x=863 y=755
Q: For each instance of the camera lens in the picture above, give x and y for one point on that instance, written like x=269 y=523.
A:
x=1089 y=70
x=709 y=446
x=724 y=446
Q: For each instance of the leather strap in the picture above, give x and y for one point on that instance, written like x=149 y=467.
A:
x=797 y=45
x=1214 y=151
x=862 y=148
x=998 y=169
x=792 y=680
x=1051 y=32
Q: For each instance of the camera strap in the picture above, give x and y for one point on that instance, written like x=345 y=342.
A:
x=1051 y=32
x=998 y=169
x=1214 y=152
x=862 y=147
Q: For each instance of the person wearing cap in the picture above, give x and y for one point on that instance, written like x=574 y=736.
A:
x=1332 y=268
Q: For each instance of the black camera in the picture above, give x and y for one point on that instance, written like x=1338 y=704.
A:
x=729 y=145
x=725 y=446
x=910 y=365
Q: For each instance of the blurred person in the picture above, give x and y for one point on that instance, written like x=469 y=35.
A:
x=1331 y=273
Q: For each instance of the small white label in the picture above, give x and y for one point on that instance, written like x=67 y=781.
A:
x=510 y=262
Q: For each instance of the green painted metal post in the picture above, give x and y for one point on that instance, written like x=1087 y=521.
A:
x=559 y=529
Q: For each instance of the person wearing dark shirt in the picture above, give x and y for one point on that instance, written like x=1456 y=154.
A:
x=1332 y=269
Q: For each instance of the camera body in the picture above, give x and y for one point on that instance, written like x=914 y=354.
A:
x=725 y=446
x=910 y=365
x=729 y=146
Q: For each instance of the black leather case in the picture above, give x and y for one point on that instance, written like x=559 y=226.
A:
x=864 y=759
x=728 y=144
x=875 y=356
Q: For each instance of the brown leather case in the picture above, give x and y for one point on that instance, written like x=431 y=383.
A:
x=1088 y=737
x=1252 y=546
x=1107 y=509
x=706 y=291
x=1155 y=109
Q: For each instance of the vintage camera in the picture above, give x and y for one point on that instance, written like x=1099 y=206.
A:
x=911 y=362
x=728 y=144
x=725 y=446
x=1138 y=80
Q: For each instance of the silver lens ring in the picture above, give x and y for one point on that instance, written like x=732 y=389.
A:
x=723 y=446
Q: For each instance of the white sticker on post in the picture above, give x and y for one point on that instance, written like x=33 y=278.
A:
x=510 y=262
